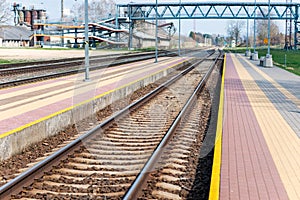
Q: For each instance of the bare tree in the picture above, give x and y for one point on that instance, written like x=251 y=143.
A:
x=234 y=29
x=5 y=12
x=98 y=9
x=262 y=30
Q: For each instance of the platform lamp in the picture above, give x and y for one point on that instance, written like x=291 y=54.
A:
x=156 y=32
x=86 y=38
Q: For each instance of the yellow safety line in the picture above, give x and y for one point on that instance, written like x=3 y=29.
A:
x=82 y=103
x=216 y=169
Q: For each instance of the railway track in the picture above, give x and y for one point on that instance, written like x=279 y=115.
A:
x=107 y=161
x=11 y=73
x=40 y=65
x=17 y=74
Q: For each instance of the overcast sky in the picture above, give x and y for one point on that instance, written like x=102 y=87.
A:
x=204 y=26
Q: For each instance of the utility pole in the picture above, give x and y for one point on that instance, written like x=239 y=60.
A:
x=156 y=32
x=62 y=19
x=254 y=37
x=179 y=27
x=86 y=40
x=62 y=9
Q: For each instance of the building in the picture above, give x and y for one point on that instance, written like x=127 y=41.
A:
x=33 y=29
x=144 y=35
x=15 y=36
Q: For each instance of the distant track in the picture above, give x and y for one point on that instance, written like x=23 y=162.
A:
x=68 y=66
x=71 y=61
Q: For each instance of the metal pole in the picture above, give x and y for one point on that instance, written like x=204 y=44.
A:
x=296 y=28
x=62 y=9
x=254 y=37
x=269 y=29
x=62 y=20
x=291 y=30
x=156 y=33
x=286 y=46
x=76 y=11
x=179 y=32
x=130 y=28
x=86 y=38
x=247 y=32
x=117 y=25
x=130 y=34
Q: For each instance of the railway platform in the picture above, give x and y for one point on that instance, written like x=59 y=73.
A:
x=32 y=112
x=257 y=147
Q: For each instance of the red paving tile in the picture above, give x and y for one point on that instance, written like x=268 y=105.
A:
x=247 y=168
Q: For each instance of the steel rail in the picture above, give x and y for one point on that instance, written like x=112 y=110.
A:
x=46 y=62
x=37 y=170
x=70 y=72
x=63 y=63
x=141 y=179
x=81 y=59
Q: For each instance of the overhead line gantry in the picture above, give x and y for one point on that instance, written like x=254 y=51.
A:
x=213 y=10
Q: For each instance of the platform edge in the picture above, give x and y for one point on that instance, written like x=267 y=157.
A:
x=216 y=168
x=5 y=134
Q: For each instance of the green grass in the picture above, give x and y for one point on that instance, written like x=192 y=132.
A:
x=4 y=61
x=278 y=55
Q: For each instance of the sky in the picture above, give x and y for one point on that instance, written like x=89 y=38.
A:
x=204 y=26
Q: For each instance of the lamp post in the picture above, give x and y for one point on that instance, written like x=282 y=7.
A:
x=254 y=39
x=179 y=26
x=269 y=28
x=86 y=38
x=62 y=21
x=156 y=33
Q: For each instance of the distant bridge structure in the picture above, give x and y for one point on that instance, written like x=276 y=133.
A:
x=213 y=10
